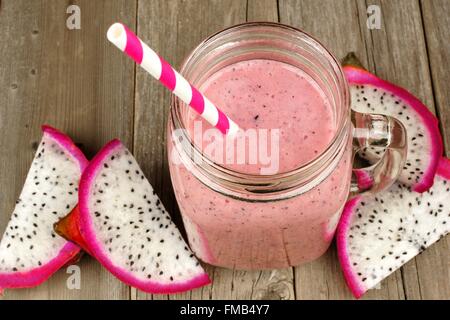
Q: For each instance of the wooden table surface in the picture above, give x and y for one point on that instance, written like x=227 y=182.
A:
x=76 y=81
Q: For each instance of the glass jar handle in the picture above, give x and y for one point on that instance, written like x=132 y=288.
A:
x=383 y=140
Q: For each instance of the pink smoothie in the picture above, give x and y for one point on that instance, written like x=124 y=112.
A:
x=253 y=235
x=272 y=95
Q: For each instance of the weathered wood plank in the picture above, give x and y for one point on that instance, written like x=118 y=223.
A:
x=194 y=20
x=73 y=80
x=339 y=26
x=436 y=18
x=433 y=266
x=262 y=10
x=334 y=23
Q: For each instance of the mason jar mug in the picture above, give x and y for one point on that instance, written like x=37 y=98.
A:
x=239 y=217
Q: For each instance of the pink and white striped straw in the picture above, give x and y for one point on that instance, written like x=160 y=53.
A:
x=124 y=39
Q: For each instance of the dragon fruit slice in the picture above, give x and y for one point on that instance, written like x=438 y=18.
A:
x=30 y=252
x=370 y=94
x=377 y=234
x=125 y=226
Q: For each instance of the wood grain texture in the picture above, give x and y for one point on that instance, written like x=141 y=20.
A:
x=334 y=23
x=436 y=18
x=262 y=10
x=433 y=266
x=74 y=81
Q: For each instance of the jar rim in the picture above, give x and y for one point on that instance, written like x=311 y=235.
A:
x=265 y=183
